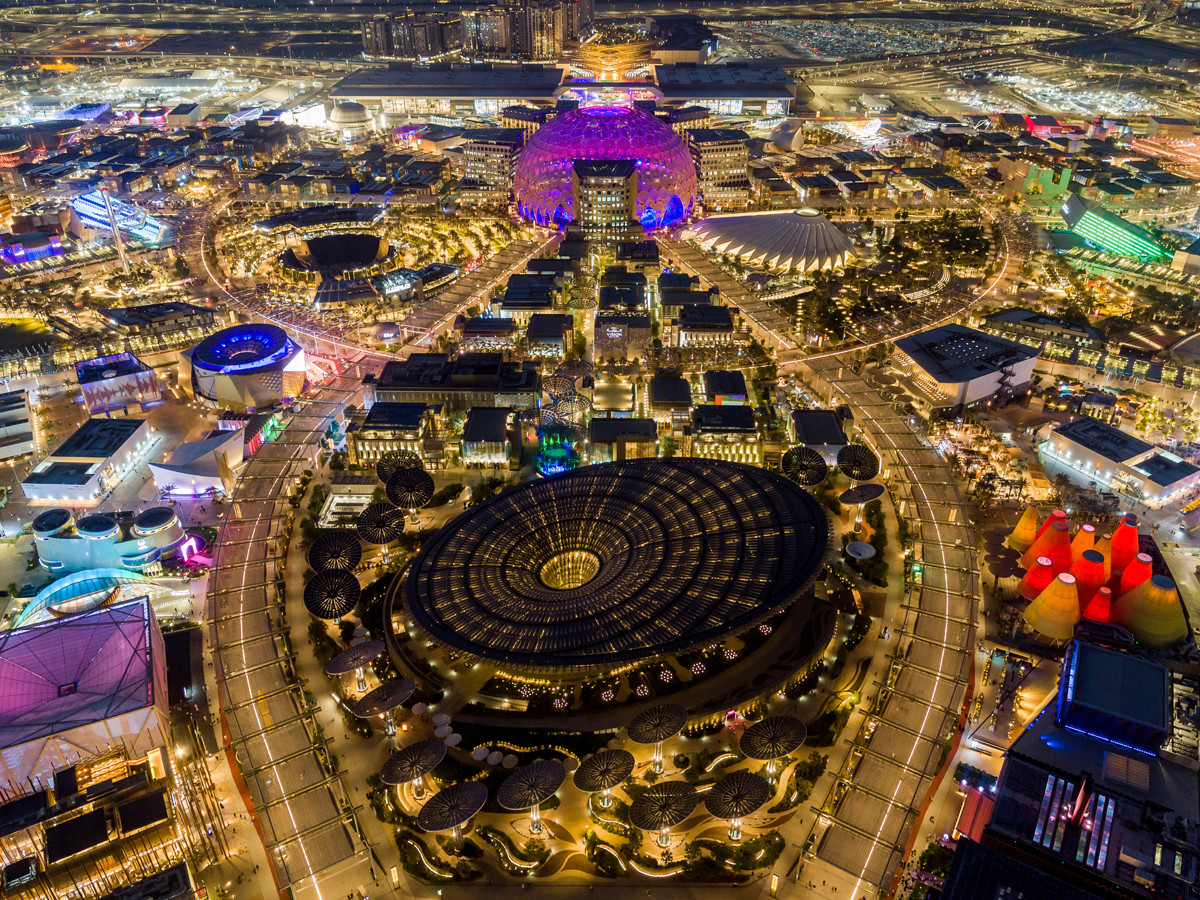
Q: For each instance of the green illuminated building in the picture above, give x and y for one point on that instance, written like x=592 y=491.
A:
x=1109 y=232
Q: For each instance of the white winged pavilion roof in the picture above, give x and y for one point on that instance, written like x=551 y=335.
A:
x=800 y=239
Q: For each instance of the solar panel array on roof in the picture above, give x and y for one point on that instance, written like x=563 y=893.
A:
x=142 y=812
x=76 y=835
x=18 y=873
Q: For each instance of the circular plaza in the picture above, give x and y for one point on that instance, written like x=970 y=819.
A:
x=338 y=254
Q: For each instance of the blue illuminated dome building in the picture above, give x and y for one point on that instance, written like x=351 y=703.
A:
x=244 y=367
x=666 y=174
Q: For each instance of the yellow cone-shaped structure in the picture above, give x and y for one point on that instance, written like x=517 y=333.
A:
x=1085 y=539
x=1056 y=610
x=1152 y=611
x=1104 y=548
x=1026 y=530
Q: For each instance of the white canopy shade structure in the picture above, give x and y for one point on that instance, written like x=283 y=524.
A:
x=799 y=239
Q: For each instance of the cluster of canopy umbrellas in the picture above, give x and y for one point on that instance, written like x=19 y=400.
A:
x=659 y=808
x=334 y=591
x=806 y=466
x=334 y=555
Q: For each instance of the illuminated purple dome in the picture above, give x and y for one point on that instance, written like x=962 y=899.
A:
x=666 y=173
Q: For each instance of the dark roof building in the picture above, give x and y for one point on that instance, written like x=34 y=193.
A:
x=712 y=419
x=821 y=429
x=409 y=88
x=618 y=439
x=1058 y=338
x=697 y=322
x=669 y=390
x=470 y=379
x=724 y=387
x=1115 y=696
x=1082 y=803
x=486 y=424
x=985 y=870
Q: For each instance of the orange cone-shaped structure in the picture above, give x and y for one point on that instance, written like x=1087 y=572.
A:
x=1039 y=575
x=1124 y=543
x=1088 y=570
x=1056 y=610
x=1055 y=542
x=1136 y=572
x=1085 y=539
x=1153 y=613
x=1025 y=531
x=1099 y=608
x=1056 y=515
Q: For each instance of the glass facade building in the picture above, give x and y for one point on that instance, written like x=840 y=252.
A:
x=1109 y=232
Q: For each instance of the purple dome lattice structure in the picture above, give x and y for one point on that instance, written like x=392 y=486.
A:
x=666 y=188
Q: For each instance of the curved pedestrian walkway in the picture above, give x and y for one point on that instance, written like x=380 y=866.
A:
x=295 y=796
x=880 y=793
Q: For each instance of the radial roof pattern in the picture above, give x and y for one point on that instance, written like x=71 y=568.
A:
x=604 y=770
x=804 y=465
x=331 y=594
x=453 y=806
x=409 y=488
x=387 y=464
x=858 y=462
x=658 y=723
x=531 y=784
x=380 y=523
x=737 y=795
x=617 y=563
x=773 y=737
x=791 y=239
x=354 y=657
x=335 y=551
x=663 y=805
x=386 y=697
x=413 y=761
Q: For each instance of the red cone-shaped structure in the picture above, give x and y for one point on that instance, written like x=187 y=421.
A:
x=1153 y=613
x=1085 y=539
x=1136 y=572
x=1124 y=543
x=1055 y=543
x=1026 y=530
x=1056 y=610
x=1039 y=575
x=1099 y=608
x=1056 y=515
x=1088 y=570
